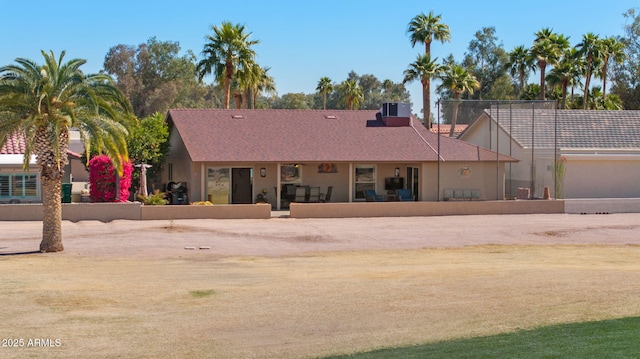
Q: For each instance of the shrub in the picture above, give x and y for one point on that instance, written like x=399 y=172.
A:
x=155 y=199
x=102 y=177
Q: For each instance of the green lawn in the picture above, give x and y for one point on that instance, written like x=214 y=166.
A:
x=606 y=339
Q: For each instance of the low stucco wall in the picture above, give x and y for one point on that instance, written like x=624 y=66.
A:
x=602 y=205
x=242 y=211
x=106 y=212
x=412 y=209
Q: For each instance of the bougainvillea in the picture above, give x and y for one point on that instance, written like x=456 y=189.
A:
x=102 y=177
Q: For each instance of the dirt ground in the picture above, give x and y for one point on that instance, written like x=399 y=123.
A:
x=303 y=288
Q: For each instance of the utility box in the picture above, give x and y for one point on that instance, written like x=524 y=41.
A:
x=66 y=193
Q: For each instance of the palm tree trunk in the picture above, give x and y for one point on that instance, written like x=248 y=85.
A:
x=542 y=82
x=604 y=80
x=454 y=117
x=52 y=213
x=426 y=103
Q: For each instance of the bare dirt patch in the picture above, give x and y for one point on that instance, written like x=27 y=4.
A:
x=290 y=288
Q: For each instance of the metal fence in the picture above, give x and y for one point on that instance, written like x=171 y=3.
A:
x=524 y=130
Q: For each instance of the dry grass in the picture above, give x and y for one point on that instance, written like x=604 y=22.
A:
x=307 y=305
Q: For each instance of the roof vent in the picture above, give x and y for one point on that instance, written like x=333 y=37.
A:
x=237 y=116
x=331 y=117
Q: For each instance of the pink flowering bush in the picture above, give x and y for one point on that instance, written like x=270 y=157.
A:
x=102 y=177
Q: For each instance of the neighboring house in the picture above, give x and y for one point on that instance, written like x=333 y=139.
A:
x=241 y=156
x=20 y=186
x=596 y=154
x=16 y=184
x=445 y=130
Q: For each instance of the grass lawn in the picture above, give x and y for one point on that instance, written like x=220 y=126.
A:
x=602 y=339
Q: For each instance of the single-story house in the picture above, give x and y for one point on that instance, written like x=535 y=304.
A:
x=232 y=156
x=20 y=186
x=593 y=154
x=16 y=184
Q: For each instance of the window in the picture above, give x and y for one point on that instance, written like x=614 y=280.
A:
x=19 y=185
x=365 y=179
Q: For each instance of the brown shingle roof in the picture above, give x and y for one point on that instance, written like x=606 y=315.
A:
x=216 y=135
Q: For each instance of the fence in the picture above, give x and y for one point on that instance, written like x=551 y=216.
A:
x=523 y=130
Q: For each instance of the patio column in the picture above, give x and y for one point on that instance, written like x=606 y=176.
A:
x=351 y=182
x=278 y=186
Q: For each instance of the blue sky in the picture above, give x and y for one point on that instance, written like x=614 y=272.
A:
x=300 y=41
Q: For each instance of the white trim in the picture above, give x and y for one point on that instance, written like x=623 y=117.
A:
x=600 y=157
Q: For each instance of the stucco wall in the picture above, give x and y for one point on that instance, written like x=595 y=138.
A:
x=602 y=178
x=408 y=209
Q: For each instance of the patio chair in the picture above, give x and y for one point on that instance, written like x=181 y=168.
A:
x=371 y=196
x=404 y=195
x=314 y=194
x=301 y=194
x=326 y=197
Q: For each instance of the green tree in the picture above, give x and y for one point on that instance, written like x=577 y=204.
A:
x=351 y=94
x=458 y=80
x=424 y=29
x=148 y=143
x=227 y=50
x=43 y=102
x=155 y=77
x=590 y=49
x=520 y=64
x=423 y=69
x=625 y=76
x=546 y=50
x=610 y=50
x=324 y=86
x=485 y=59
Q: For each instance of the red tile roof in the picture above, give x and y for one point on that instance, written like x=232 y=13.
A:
x=216 y=135
x=14 y=145
x=445 y=129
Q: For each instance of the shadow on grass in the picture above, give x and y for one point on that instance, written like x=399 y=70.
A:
x=604 y=339
x=18 y=253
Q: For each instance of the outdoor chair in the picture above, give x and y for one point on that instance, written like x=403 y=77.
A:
x=371 y=196
x=404 y=195
x=301 y=194
x=314 y=194
x=326 y=197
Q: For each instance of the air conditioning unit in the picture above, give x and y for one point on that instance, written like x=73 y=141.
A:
x=396 y=109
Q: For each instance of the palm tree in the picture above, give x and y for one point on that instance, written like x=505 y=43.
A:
x=611 y=49
x=324 y=86
x=264 y=83
x=426 y=28
x=546 y=50
x=458 y=80
x=228 y=49
x=423 y=69
x=351 y=93
x=43 y=102
x=590 y=49
x=520 y=63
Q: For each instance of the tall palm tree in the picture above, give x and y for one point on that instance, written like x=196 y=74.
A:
x=351 y=93
x=458 y=80
x=611 y=49
x=324 y=85
x=590 y=49
x=423 y=69
x=43 y=102
x=264 y=83
x=228 y=49
x=520 y=63
x=546 y=51
x=426 y=28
